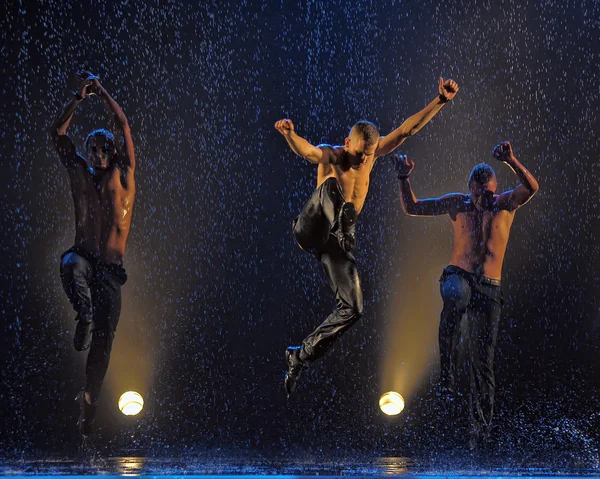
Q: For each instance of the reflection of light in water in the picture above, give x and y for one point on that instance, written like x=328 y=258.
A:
x=391 y=403
x=393 y=466
x=131 y=403
x=130 y=466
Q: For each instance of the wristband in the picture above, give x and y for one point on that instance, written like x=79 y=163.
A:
x=443 y=99
x=78 y=97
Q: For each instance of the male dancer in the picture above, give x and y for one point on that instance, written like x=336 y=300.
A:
x=471 y=283
x=92 y=273
x=326 y=226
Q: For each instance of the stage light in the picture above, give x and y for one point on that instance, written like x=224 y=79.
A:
x=391 y=403
x=131 y=403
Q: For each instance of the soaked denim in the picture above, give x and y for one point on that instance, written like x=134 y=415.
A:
x=93 y=287
x=314 y=230
x=481 y=299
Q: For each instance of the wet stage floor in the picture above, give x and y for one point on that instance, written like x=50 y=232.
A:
x=247 y=467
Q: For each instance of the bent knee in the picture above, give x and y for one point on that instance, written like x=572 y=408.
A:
x=355 y=310
x=357 y=302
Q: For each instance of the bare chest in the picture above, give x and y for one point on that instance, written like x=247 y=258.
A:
x=98 y=196
x=354 y=182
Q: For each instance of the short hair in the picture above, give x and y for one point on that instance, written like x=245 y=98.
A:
x=100 y=132
x=367 y=130
x=481 y=174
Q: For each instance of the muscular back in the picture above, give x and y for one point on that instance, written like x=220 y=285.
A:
x=103 y=203
x=480 y=238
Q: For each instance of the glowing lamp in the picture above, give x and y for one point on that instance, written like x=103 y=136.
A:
x=391 y=403
x=131 y=403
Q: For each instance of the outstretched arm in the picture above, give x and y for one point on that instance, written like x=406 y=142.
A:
x=511 y=200
x=412 y=206
x=314 y=154
x=387 y=144
x=119 y=118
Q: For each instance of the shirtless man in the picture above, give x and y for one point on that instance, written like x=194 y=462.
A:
x=326 y=226
x=481 y=222
x=92 y=273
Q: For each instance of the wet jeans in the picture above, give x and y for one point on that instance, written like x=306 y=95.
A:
x=481 y=298
x=93 y=287
x=314 y=230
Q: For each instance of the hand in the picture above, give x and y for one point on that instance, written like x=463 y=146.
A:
x=285 y=127
x=86 y=75
x=448 y=89
x=83 y=90
x=95 y=88
x=91 y=81
x=403 y=166
x=503 y=151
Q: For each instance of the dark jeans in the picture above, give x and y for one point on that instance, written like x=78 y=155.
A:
x=481 y=298
x=314 y=230
x=94 y=289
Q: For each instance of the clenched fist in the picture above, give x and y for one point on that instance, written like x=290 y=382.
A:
x=448 y=89
x=285 y=127
x=403 y=166
x=503 y=151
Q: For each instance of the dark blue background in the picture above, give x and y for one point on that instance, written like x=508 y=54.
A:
x=217 y=287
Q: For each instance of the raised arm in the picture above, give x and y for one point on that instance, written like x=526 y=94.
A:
x=447 y=204
x=387 y=144
x=314 y=154
x=127 y=157
x=58 y=131
x=511 y=200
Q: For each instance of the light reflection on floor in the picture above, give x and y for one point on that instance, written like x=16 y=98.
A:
x=241 y=467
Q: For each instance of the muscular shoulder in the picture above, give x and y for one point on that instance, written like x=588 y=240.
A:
x=506 y=202
x=501 y=209
x=334 y=153
x=458 y=203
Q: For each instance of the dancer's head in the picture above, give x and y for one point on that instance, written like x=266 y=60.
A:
x=361 y=143
x=100 y=149
x=483 y=184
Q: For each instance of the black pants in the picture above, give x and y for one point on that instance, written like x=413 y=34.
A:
x=481 y=298
x=314 y=230
x=94 y=289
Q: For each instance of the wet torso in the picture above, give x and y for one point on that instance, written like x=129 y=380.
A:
x=354 y=182
x=103 y=208
x=480 y=238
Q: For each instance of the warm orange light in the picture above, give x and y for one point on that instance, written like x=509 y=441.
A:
x=131 y=403
x=391 y=403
